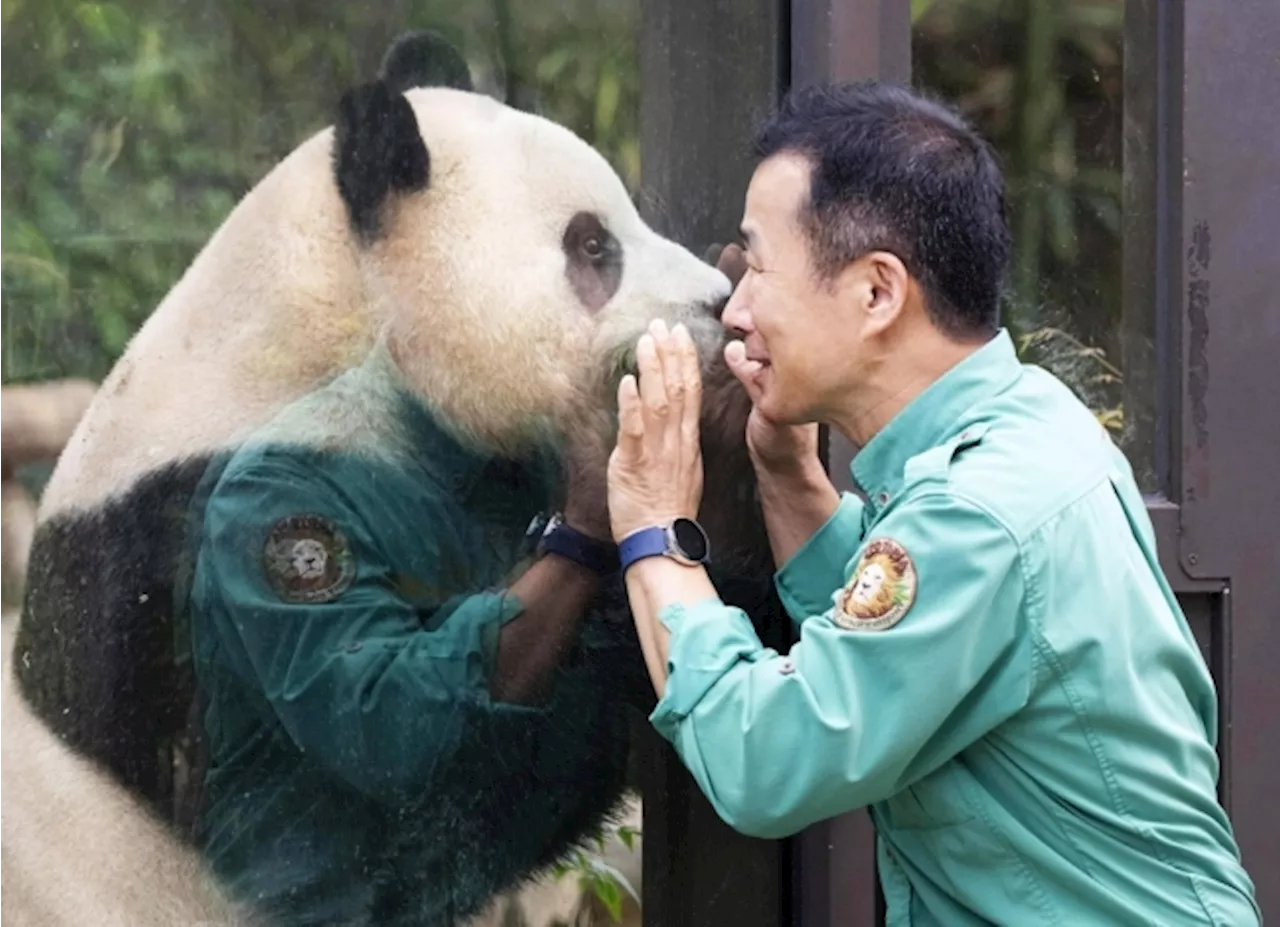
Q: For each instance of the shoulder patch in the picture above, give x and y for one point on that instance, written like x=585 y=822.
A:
x=308 y=559
x=881 y=590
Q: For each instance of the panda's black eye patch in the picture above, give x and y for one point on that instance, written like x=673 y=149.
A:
x=593 y=260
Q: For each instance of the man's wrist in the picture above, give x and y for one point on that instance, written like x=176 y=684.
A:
x=794 y=477
x=665 y=582
x=680 y=539
x=795 y=506
x=620 y=531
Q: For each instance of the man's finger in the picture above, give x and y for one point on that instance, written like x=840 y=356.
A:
x=653 y=393
x=687 y=352
x=630 y=419
x=735 y=355
x=672 y=376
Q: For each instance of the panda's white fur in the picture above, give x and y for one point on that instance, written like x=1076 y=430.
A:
x=281 y=298
x=467 y=284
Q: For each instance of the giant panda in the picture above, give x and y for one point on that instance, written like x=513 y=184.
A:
x=493 y=263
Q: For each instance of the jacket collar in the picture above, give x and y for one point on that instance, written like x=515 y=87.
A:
x=938 y=414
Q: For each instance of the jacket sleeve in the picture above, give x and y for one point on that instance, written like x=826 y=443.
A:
x=806 y=581
x=861 y=707
x=347 y=664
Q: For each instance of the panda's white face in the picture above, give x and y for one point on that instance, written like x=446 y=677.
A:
x=513 y=280
x=519 y=280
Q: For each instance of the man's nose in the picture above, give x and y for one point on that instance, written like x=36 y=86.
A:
x=735 y=316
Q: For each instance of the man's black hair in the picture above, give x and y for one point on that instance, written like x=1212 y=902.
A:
x=895 y=171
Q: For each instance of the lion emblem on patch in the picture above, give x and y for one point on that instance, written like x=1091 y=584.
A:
x=308 y=559
x=881 y=590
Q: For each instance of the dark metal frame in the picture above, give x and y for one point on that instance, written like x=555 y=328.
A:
x=1204 y=257
x=710 y=70
x=1219 y=68
x=1201 y=246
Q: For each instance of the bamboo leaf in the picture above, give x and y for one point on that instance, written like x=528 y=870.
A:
x=607 y=94
x=919 y=8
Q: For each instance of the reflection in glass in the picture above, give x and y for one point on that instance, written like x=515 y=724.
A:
x=131 y=131
x=1045 y=81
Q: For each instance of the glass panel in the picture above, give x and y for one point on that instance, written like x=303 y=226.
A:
x=1045 y=81
x=131 y=131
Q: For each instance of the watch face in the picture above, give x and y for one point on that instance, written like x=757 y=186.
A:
x=689 y=537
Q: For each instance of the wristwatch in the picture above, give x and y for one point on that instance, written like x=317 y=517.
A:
x=558 y=538
x=683 y=540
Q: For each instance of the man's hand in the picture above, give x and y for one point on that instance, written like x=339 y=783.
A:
x=655 y=476
x=777 y=449
x=655 y=471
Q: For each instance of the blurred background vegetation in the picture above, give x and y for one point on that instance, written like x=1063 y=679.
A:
x=130 y=130
x=1043 y=79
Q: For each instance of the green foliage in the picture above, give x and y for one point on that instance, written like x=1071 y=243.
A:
x=131 y=129
x=598 y=878
x=1043 y=80
x=1086 y=369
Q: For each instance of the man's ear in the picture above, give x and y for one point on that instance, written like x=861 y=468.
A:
x=884 y=288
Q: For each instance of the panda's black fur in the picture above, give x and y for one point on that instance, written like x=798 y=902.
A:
x=98 y=653
x=377 y=151
x=102 y=655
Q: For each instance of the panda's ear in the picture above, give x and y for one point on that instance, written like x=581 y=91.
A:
x=378 y=150
x=424 y=59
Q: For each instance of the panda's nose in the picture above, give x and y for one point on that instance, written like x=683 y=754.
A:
x=716 y=308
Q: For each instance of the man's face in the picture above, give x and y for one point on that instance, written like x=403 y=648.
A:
x=788 y=320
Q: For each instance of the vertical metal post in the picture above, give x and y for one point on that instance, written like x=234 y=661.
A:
x=710 y=69
x=1223 y=300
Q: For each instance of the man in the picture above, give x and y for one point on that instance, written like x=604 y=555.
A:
x=989 y=656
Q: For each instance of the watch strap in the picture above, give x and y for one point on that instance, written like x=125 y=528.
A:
x=647 y=542
x=598 y=556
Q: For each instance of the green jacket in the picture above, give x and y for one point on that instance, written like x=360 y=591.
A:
x=991 y=660
x=345 y=608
